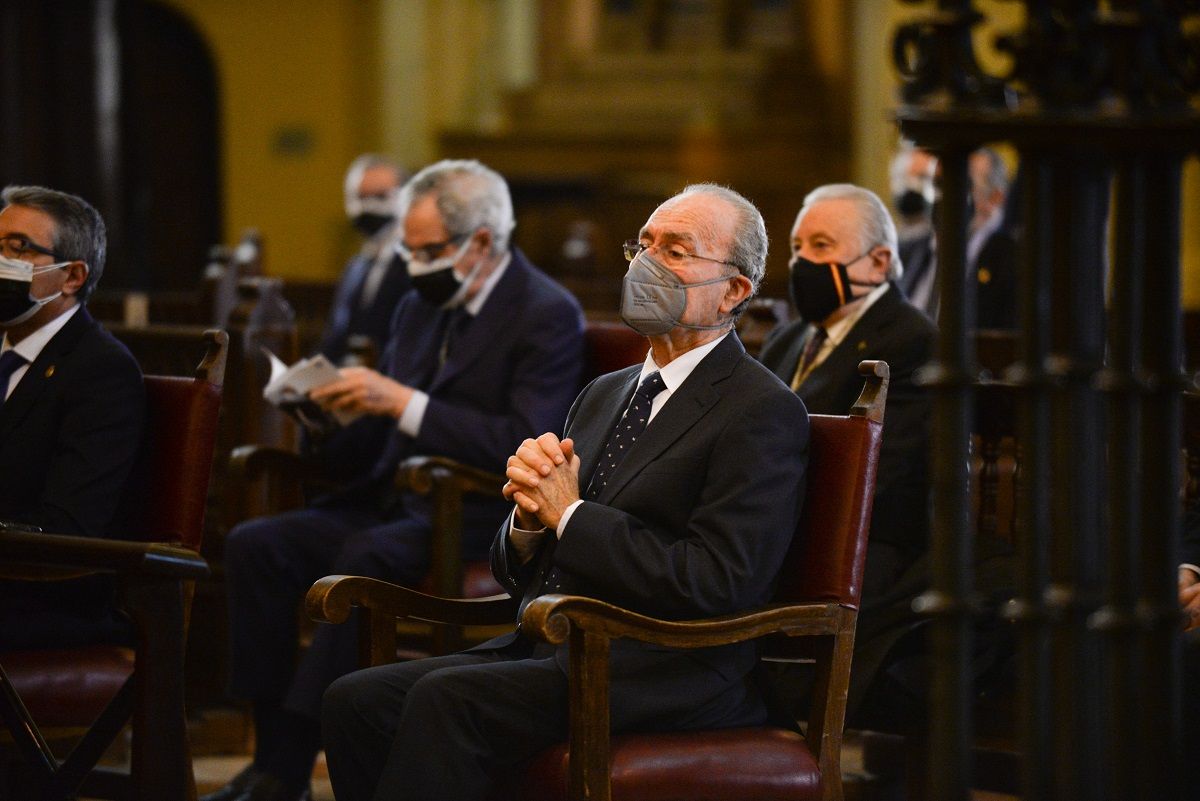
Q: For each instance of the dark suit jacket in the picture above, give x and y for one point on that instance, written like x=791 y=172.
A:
x=510 y=374
x=996 y=281
x=348 y=317
x=695 y=521
x=1190 y=547
x=69 y=435
x=896 y=332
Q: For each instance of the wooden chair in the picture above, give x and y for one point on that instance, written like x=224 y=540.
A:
x=281 y=474
x=105 y=686
x=813 y=616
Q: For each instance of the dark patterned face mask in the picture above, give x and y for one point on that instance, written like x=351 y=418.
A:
x=818 y=289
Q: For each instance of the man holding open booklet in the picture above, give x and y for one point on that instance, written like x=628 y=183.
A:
x=484 y=349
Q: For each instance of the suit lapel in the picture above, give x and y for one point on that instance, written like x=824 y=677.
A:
x=43 y=372
x=489 y=324
x=597 y=429
x=858 y=343
x=686 y=406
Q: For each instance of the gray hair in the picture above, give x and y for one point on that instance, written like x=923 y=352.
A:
x=79 y=233
x=749 y=249
x=369 y=161
x=469 y=196
x=875 y=225
x=996 y=177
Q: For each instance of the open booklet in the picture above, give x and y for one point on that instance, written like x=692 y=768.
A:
x=288 y=389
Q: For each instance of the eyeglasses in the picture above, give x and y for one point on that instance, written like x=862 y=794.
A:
x=427 y=253
x=672 y=255
x=15 y=246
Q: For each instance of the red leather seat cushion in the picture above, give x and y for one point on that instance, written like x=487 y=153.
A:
x=725 y=765
x=68 y=688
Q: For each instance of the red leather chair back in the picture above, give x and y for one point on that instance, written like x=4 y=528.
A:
x=825 y=562
x=165 y=497
x=608 y=347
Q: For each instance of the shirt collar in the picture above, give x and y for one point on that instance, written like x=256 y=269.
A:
x=476 y=303
x=675 y=373
x=31 y=346
x=837 y=332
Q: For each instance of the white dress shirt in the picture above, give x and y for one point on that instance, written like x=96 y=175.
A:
x=31 y=346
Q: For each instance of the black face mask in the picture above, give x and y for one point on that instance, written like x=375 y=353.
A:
x=437 y=287
x=369 y=223
x=14 y=301
x=818 y=289
x=911 y=203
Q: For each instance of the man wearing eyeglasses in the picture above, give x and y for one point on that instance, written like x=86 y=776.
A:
x=674 y=493
x=484 y=349
x=72 y=410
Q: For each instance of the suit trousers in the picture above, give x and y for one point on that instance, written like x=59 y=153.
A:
x=270 y=564
x=445 y=727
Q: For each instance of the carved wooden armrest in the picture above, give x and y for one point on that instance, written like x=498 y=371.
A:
x=551 y=617
x=427 y=474
x=27 y=555
x=330 y=599
x=252 y=462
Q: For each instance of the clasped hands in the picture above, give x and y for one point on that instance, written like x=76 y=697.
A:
x=363 y=390
x=543 y=480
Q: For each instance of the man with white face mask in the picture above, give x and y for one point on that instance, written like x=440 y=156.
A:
x=484 y=349
x=72 y=409
x=375 y=279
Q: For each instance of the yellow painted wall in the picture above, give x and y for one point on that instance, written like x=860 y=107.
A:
x=306 y=67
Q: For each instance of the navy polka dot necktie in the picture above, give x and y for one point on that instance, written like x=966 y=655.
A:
x=628 y=429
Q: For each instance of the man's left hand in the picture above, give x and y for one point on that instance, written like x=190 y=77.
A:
x=364 y=390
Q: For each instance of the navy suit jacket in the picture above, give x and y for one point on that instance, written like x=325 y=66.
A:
x=70 y=432
x=694 y=522
x=896 y=332
x=510 y=374
x=349 y=317
x=69 y=435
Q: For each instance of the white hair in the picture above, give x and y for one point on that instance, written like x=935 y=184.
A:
x=875 y=225
x=468 y=195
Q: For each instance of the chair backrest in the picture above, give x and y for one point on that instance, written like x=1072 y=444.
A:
x=825 y=562
x=167 y=490
x=608 y=347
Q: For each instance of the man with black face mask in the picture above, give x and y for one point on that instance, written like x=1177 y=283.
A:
x=484 y=349
x=72 y=410
x=375 y=279
x=842 y=275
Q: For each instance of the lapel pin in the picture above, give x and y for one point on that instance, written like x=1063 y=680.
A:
x=49 y=371
x=862 y=344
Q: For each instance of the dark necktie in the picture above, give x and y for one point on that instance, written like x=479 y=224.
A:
x=456 y=324
x=623 y=435
x=626 y=432
x=9 y=362
x=809 y=356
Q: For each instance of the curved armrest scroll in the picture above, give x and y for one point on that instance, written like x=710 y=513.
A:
x=423 y=474
x=330 y=599
x=549 y=617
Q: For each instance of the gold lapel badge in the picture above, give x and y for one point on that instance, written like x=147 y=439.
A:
x=49 y=371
